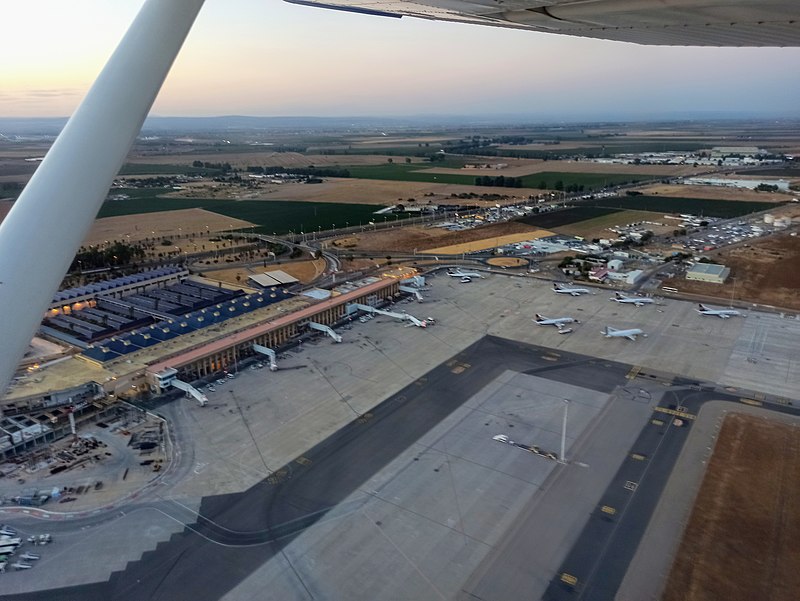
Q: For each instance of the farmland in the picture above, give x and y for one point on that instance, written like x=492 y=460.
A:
x=444 y=174
x=588 y=181
x=741 y=542
x=598 y=226
x=555 y=219
x=676 y=204
x=270 y=216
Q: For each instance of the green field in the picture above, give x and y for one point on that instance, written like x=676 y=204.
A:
x=413 y=172
x=574 y=215
x=589 y=181
x=694 y=206
x=157 y=169
x=270 y=216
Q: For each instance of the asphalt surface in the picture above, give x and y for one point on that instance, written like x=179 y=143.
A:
x=597 y=563
x=239 y=532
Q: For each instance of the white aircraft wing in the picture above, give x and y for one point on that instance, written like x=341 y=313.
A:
x=650 y=22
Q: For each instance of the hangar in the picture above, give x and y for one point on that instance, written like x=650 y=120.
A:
x=708 y=272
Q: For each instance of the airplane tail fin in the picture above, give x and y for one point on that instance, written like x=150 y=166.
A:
x=606 y=331
x=618 y=295
x=703 y=307
x=539 y=317
x=555 y=286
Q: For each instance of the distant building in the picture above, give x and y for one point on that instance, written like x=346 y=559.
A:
x=708 y=272
x=598 y=274
x=614 y=265
x=273 y=278
x=634 y=276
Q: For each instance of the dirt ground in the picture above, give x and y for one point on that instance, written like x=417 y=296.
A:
x=305 y=271
x=598 y=227
x=743 y=538
x=520 y=167
x=354 y=191
x=410 y=239
x=507 y=262
x=165 y=224
x=714 y=193
x=764 y=272
x=263 y=159
x=486 y=243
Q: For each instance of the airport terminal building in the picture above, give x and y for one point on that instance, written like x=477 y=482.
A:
x=154 y=336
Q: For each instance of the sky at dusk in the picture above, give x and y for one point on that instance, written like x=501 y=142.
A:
x=269 y=58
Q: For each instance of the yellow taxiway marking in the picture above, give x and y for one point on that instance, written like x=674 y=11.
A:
x=569 y=579
x=634 y=372
x=752 y=402
x=638 y=457
x=675 y=412
x=608 y=509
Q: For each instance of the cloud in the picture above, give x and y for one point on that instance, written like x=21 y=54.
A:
x=37 y=94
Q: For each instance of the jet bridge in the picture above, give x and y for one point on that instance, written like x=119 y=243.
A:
x=181 y=385
x=351 y=308
x=323 y=328
x=273 y=363
x=411 y=290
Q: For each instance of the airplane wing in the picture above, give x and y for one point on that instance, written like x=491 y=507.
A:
x=649 y=22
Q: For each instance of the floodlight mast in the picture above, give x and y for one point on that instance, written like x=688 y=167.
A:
x=44 y=229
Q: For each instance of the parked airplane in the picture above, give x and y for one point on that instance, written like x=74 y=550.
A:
x=632 y=300
x=561 y=289
x=28 y=556
x=559 y=322
x=21 y=566
x=631 y=333
x=50 y=219
x=723 y=313
x=464 y=274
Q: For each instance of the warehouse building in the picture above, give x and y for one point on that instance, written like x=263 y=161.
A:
x=708 y=272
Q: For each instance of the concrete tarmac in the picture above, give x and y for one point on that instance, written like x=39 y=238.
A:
x=367 y=469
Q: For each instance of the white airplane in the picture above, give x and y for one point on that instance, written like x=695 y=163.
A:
x=631 y=300
x=559 y=322
x=21 y=566
x=28 y=556
x=722 y=313
x=561 y=289
x=464 y=274
x=52 y=216
x=630 y=334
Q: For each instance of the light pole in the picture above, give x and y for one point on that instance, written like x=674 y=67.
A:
x=564 y=433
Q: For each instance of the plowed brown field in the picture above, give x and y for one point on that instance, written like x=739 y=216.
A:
x=742 y=542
